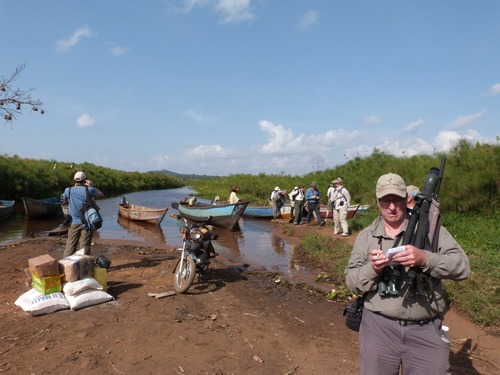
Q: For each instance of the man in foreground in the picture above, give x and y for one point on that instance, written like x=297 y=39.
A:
x=401 y=328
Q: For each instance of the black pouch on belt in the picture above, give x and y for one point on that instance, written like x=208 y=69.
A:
x=353 y=313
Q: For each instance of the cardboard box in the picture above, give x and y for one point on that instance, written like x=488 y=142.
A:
x=43 y=266
x=47 y=285
x=76 y=267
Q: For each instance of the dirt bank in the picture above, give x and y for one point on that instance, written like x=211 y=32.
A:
x=236 y=321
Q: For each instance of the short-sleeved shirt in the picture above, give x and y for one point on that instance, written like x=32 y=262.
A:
x=76 y=199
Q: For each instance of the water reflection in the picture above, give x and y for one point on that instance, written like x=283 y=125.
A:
x=148 y=232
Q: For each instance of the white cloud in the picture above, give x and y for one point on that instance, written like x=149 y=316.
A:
x=233 y=11
x=494 y=90
x=463 y=121
x=414 y=126
x=373 y=119
x=308 y=19
x=85 y=121
x=116 y=50
x=63 y=45
x=282 y=140
x=279 y=138
x=203 y=151
x=196 y=116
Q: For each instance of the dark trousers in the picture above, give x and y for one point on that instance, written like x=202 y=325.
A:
x=78 y=238
x=299 y=208
x=313 y=207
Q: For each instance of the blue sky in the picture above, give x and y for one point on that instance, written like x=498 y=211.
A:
x=249 y=86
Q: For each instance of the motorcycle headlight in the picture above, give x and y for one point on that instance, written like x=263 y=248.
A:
x=195 y=234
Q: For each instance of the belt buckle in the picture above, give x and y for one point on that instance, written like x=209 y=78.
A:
x=402 y=322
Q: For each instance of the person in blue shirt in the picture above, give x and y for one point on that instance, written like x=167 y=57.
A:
x=78 y=236
x=312 y=198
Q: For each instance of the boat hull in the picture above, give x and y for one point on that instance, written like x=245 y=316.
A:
x=42 y=207
x=351 y=211
x=259 y=212
x=142 y=214
x=266 y=212
x=220 y=215
x=6 y=208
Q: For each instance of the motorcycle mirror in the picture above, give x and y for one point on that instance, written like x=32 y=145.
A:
x=175 y=205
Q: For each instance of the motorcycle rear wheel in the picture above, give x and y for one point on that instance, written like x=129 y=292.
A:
x=183 y=277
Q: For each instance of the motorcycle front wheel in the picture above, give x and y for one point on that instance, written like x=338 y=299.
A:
x=183 y=277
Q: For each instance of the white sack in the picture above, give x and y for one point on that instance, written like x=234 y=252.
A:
x=36 y=303
x=88 y=298
x=72 y=288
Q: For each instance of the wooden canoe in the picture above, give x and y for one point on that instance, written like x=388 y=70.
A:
x=351 y=210
x=6 y=208
x=223 y=215
x=141 y=213
x=42 y=207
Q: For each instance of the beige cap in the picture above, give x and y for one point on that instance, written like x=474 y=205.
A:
x=412 y=190
x=338 y=180
x=277 y=188
x=390 y=183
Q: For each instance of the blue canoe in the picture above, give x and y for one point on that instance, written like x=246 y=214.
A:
x=260 y=212
x=220 y=215
x=6 y=208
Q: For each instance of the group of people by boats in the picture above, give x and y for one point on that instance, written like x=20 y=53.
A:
x=303 y=206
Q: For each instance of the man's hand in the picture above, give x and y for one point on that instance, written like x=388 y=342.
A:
x=411 y=257
x=378 y=260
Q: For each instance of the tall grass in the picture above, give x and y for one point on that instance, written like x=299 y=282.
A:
x=479 y=236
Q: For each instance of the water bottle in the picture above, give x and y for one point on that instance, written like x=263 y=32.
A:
x=445 y=334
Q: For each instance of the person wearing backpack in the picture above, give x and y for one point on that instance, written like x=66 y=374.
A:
x=78 y=236
x=341 y=201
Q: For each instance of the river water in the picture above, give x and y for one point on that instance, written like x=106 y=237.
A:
x=254 y=244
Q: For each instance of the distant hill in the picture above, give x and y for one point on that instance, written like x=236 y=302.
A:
x=183 y=176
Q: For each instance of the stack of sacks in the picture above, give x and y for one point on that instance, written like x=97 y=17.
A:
x=77 y=290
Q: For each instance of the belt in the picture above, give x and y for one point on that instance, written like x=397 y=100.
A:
x=406 y=322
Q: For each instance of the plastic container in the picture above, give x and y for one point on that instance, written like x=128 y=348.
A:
x=101 y=275
x=445 y=334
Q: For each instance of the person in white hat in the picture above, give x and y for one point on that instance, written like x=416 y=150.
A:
x=78 y=236
x=341 y=201
x=277 y=197
x=403 y=327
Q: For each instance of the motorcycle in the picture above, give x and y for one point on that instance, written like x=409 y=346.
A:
x=196 y=251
